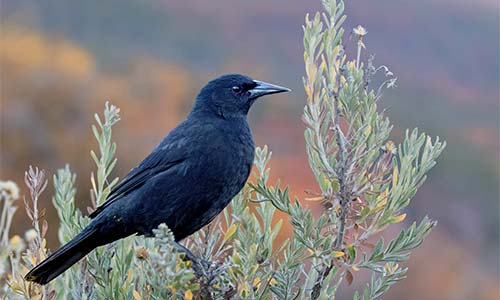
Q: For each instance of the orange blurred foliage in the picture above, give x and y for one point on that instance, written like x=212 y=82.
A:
x=51 y=88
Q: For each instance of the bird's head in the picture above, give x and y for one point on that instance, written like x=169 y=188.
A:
x=233 y=94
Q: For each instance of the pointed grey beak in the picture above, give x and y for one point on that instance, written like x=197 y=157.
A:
x=264 y=88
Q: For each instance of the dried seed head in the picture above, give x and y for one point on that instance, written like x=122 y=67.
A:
x=17 y=244
x=360 y=31
x=9 y=190
x=389 y=147
x=141 y=253
x=30 y=235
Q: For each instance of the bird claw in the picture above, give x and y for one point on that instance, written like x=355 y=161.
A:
x=201 y=267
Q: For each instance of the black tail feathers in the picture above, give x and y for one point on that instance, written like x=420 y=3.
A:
x=63 y=258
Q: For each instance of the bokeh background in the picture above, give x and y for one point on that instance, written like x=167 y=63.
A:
x=61 y=60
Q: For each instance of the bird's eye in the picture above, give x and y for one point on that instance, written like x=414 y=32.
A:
x=236 y=89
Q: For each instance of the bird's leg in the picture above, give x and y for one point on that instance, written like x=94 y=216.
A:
x=200 y=265
x=189 y=255
x=205 y=270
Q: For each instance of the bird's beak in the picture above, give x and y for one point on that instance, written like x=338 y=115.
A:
x=264 y=88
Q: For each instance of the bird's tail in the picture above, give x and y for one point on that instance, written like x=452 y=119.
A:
x=64 y=257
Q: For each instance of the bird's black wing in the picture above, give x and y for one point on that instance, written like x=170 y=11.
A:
x=157 y=162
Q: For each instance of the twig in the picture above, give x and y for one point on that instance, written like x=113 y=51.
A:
x=341 y=176
x=4 y=234
x=341 y=143
x=316 y=291
x=36 y=183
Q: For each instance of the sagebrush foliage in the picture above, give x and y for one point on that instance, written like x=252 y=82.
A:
x=365 y=182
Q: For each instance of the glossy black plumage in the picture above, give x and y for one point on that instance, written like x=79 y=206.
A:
x=185 y=182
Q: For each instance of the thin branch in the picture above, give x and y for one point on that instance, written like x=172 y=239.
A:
x=341 y=176
x=341 y=143
x=316 y=290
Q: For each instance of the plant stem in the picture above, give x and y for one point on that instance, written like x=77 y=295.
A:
x=341 y=143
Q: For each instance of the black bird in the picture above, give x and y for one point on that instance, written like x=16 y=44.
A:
x=185 y=182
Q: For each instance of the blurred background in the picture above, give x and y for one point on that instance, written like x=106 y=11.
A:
x=61 y=60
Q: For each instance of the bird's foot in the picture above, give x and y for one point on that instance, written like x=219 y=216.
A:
x=206 y=271
x=201 y=266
